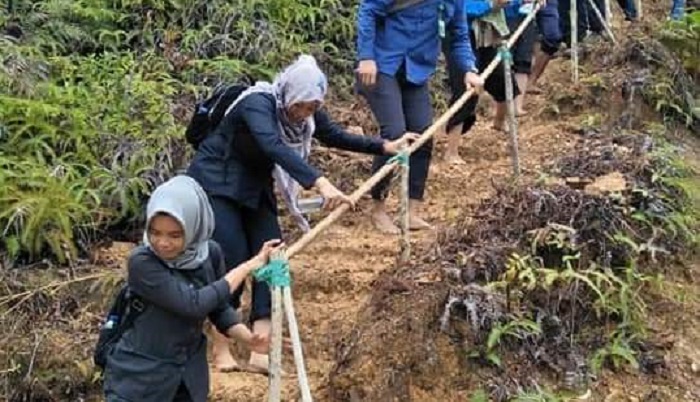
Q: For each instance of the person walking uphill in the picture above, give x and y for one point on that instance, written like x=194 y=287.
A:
x=162 y=356
x=398 y=43
x=265 y=133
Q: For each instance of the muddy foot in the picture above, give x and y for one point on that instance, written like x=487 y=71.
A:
x=416 y=223
x=383 y=222
x=454 y=159
x=225 y=363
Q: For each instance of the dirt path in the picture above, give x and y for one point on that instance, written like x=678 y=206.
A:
x=334 y=275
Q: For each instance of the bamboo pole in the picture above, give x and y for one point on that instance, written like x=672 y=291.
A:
x=639 y=9
x=602 y=21
x=296 y=345
x=512 y=119
x=405 y=243
x=385 y=170
x=275 y=387
x=573 y=19
x=608 y=12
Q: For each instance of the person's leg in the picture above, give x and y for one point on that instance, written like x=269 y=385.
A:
x=548 y=19
x=260 y=226
x=522 y=62
x=418 y=112
x=464 y=119
x=384 y=100
x=495 y=85
x=228 y=232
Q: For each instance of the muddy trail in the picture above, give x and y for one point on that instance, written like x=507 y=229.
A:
x=363 y=320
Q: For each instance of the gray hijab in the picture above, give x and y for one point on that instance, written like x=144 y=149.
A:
x=182 y=198
x=302 y=81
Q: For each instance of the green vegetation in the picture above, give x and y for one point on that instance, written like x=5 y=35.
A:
x=94 y=95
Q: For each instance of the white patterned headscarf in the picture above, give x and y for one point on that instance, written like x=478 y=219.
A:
x=302 y=81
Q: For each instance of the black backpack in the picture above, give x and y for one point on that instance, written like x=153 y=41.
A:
x=126 y=308
x=209 y=112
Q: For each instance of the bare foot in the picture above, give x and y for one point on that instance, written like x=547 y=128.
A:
x=500 y=126
x=521 y=113
x=260 y=364
x=416 y=223
x=454 y=159
x=225 y=363
x=383 y=222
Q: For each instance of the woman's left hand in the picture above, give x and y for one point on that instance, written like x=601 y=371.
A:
x=394 y=147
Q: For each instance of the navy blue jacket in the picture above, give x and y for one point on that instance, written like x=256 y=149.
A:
x=237 y=159
x=411 y=37
x=165 y=346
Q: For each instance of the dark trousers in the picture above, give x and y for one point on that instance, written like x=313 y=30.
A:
x=523 y=47
x=182 y=395
x=549 y=27
x=400 y=106
x=565 y=19
x=241 y=233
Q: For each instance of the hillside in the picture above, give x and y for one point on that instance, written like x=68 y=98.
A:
x=76 y=172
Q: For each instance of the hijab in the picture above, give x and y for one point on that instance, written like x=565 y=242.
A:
x=184 y=199
x=302 y=81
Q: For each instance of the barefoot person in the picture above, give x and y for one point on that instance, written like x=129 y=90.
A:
x=265 y=134
x=163 y=355
x=549 y=26
x=489 y=27
x=398 y=48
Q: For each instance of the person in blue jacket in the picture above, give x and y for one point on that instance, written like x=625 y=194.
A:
x=266 y=135
x=180 y=277
x=488 y=28
x=398 y=44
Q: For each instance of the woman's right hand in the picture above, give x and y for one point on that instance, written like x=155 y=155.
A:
x=332 y=196
x=268 y=249
x=367 y=72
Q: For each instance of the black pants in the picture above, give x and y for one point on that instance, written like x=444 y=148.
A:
x=523 y=47
x=399 y=106
x=495 y=84
x=565 y=19
x=182 y=395
x=241 y=233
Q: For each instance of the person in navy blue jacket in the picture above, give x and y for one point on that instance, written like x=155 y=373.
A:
x=398 y=43
x=550 y=29
x=268 y=129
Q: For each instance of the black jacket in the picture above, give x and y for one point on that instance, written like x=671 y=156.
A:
x=237 y=159
x=165 y=346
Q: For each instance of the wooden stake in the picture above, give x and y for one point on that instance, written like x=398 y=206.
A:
x=512 y=119
x=296 y=345
x=603 y=21
x=573 y=18
x=405 y=243
x=639 y=9
x=275 y=389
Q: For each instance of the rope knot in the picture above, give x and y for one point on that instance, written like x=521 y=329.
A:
x=275 y=273
x=400 y=158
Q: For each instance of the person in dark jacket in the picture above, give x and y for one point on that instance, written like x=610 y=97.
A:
x=266 y=135
x=398 y=43
x=163 y=356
